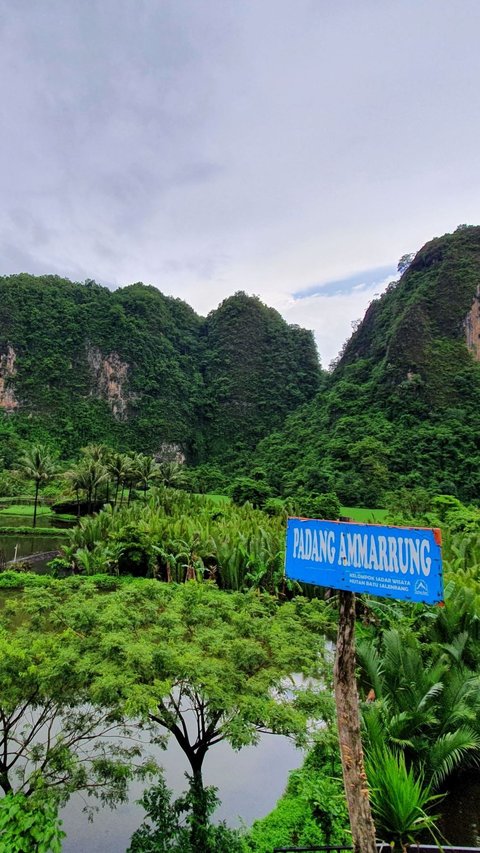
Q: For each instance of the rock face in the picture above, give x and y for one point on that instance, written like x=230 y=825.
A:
x=109 y=374
x=472 y=327
x=8 y=401
x=170 y=453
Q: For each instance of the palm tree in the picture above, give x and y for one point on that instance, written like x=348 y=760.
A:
x=36 y=464
x=120 y=466
x=146 y=471
x=172 y=474
x=97 y=452
x=76 y=479
x=427 y=705
x=87 y=476
x=101 y=454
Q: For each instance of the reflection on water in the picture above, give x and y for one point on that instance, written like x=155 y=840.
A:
x=461 y=812
x=249 y=782
x=18 y=547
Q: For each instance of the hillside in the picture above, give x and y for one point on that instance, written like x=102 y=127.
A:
x=401 y=407
x=136 y=369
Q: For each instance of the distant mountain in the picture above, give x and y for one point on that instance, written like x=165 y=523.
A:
x=402 y=407
x=136 y=369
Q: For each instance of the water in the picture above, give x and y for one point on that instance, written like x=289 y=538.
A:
x=28 y=545
x=460 y=822
x=250 y=782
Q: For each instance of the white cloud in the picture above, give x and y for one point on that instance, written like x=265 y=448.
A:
x=331 y=317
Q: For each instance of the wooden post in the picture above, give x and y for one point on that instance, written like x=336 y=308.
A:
x=348 y=717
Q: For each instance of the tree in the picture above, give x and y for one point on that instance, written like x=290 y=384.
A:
x=255 y=491
x=53 y=738
x=29 y=824
x=405 y=262
x=119 y=466
x=164 y=830
x=200 y=664
x=87 y=475
x=146 y=471
x=37 y=465
x=172 y=474
x=427 y=704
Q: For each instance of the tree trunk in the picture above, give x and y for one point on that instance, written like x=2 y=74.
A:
x=200 y=814
x=5 y=782
x=37 y=486
x=348 y=717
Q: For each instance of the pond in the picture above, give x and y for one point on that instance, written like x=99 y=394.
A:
x=460 y=822
x=250 y=782
x=18 y=547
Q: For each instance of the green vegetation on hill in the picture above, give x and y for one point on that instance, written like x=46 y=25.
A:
x=257 y=370
x=401 y=407
x=134 y=368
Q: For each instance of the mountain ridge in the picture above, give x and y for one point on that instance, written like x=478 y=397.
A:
x=400 y=409
x=81 y=363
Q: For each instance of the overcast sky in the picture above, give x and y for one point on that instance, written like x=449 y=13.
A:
x=294 y=149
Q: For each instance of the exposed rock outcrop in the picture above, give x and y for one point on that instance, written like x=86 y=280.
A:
x=472 y=327
x=170 y=453
x=109 y=380
x=8 y=401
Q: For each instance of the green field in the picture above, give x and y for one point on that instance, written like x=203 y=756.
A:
x=218 y=499
x=24 y=509
x=369 y=516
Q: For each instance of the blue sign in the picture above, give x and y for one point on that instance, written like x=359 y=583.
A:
x=397 y=562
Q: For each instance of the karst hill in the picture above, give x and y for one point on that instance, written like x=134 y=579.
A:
x=402 y=407
x=241 y=388
x=136 y=369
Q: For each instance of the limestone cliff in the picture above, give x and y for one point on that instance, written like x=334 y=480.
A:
x=8 y=401
x=109 y=380
x=472 y=327
x=136 y=369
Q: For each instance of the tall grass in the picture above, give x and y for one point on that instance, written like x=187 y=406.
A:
x=185 y=535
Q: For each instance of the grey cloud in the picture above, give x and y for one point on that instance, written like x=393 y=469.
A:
x=248 y=145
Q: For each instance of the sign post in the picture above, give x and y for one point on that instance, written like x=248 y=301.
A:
x=349 y=736
x=397 y=562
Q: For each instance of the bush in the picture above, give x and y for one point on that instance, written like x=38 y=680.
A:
x=256 y=492
x=326 y=506
x=29 y=823
x=165 y=832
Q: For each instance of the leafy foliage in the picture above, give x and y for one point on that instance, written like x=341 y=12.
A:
x=401 y=804
x=140 y=370
x=165 y=831
x=29 y=824
x=313 y=810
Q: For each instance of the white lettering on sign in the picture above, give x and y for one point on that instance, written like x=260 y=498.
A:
x=396 y=554
x=318 y=545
